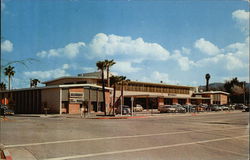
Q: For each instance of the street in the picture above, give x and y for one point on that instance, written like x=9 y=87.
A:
x=220 y=136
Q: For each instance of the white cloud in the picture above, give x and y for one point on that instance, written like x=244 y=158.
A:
x=228 y=61
x=49 y=74
x=88 y=69
x=185 y=50
x=65 y=66
x=157 y=77
x=6 y=46
x=183 y=61
x=242 y=19
x=136 y=50
x=71 y=50
x=124 y=67
x=206 y=47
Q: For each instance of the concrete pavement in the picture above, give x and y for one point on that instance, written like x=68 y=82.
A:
x=219 y=136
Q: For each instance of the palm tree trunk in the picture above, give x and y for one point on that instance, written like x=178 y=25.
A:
x=122 y=94
x=108 y=81
x=114 y=99
x=103 y=92
x=207 y=85
x=9 y=82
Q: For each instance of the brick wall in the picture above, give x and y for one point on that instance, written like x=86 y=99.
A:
x=160 y=101
x=175 y=101
x=74 y=108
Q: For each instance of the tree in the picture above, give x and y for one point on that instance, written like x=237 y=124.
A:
x=9 y=71
x=207 y=80
x=34 y=82
x=2 y=86
x=101 y=65
x=123 y=81
x=114 y=80
x=108 y=64
x=236 y=89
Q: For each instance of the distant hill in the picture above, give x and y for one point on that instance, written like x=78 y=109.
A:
x=218 y=86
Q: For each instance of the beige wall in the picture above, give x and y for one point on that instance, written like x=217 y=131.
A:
x=52 y=98
x=223 y=99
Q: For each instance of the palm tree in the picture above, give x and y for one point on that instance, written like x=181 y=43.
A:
x=207 y=80
x=108 y=64
x=113 y=81
x=2 y=86
x=34 y=82
x=101 y=65
x=9 y=71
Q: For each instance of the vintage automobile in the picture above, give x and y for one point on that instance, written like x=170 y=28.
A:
x=125 y=110
x=138 y=108
x=5 y=110
x=167 y=109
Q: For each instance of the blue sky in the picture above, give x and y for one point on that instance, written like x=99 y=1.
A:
x=176 y=42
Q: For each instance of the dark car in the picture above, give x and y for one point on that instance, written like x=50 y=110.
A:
x=246 y=109
x=5 y=110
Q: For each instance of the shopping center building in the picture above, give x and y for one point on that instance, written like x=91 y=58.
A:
x=68 y=94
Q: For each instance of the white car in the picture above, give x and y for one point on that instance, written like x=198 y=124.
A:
x=138 y=108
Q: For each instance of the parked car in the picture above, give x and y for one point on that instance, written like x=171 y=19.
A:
x=167 y=109
x=189 y=108
x=179 y=108
x=200 y=108
x=138 y=108
x=246 y=109
x=216 y=108
x=240 y=106
x=125 y=110
x=6 y=111
x=231 y=107
x=224 y=107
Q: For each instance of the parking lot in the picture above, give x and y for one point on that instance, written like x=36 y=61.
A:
x=218 y=136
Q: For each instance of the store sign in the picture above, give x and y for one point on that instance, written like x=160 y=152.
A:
x=76 y=97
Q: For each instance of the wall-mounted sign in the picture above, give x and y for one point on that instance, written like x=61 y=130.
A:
x=75 y=100
x=76 y=97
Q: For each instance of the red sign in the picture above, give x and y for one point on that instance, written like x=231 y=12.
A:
x=5 y=101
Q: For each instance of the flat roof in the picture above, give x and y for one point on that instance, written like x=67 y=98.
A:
x=212 y=92
x=133 y=82
x=160 y=84
x=59 y=86
x=70 y=77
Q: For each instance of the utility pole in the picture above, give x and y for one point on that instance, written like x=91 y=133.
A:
x=244 y=86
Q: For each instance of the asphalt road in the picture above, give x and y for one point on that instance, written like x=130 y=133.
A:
x=222 y=136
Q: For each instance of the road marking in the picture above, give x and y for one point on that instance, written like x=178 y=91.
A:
x=117 y=137
x=143 y=149
x=223 y=150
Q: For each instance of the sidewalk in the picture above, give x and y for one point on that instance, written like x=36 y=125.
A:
x=144 y=114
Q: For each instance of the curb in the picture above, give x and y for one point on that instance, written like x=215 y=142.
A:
x=120 y=117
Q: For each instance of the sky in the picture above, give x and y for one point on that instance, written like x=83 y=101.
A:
x=174 y=41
